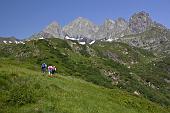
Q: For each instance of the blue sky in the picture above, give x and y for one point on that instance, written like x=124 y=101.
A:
x=22 y=18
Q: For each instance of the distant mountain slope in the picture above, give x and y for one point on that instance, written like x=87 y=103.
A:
x=155 y=39
x=9 y=40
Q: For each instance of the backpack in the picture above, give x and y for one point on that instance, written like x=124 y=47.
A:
x=43 y=65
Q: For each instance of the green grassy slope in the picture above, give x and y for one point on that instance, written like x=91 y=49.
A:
x=104 y=64
x=26 y=91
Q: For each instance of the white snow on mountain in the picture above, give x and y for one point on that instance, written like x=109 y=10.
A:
x=22 y=42
x=16 y=42
x=5 y=41
x=109 y=40
x=82 y=43
x=92 y=42
x=19 y=42
x=41 y=38
x=122 y=35
x=69 y=38
x=10 y=42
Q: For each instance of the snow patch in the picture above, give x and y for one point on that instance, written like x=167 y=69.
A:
x=122 y=35
x=16 y=42
x=22 y=42
x=82 y=43
x=109 y=40
x=41 y=38
x=92 y=42
x=10 y=42
x=5 y=41
x=68 y=38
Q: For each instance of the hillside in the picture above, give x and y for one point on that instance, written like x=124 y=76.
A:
x=26 y=91
x=108 y=64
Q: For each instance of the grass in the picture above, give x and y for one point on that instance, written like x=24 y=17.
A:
x=25 y=91
x=75 y=60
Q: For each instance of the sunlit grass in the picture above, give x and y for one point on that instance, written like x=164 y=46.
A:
x=26 y=91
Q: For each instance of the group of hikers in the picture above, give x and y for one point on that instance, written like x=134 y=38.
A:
x=51 y=69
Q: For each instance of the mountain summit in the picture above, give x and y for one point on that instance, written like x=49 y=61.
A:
x=139 y=22
x=81 y=27
x=112 y=29
x=54 y=29
x=139 y=31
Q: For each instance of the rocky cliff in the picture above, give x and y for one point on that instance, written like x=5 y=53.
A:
x=139 y=31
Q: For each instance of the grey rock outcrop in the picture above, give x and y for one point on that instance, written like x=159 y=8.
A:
x=81 y=27
x=139 y=31
x=112 y=29
x=140 y=22
x=54 y=29
x=154 y=39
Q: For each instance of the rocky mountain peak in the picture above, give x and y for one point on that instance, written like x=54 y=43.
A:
x=54 y=29
x=121 y=24
x=112 y=29
x=81 y=27
x=81 y=20
x=109 y=21
x=106 y=29
x=53 y=24
x=139 y=22
x=120 y=19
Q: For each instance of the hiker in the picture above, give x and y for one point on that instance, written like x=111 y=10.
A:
x=50 y=69
x=43 y=67
x=53 y=70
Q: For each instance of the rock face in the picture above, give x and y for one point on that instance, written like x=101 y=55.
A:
x=54 y=29
x=139 y=22
x=81 y=27
x=154 y=39
x=144 y=33
x=112 y=29
x=139 y=31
